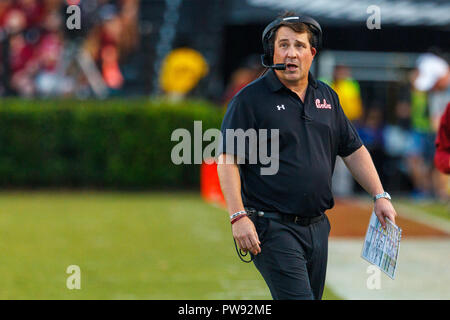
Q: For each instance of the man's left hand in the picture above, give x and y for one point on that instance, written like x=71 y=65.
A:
x=383 y=209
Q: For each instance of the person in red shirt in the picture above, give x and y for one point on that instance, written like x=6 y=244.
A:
x=442 y=155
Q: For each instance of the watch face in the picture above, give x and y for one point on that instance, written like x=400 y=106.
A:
x=383 y=195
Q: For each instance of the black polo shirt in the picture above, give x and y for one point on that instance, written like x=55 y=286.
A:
x=311 y=135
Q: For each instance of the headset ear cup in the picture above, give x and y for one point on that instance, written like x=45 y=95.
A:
x=267 y=56
x=270 y=55
x=267 y=60
x=317 y=37
x=317 y=42
x=270 y=47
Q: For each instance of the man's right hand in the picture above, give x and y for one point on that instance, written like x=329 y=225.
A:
x=244 y=232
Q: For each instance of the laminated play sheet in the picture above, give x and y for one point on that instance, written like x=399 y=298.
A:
x=381 y=246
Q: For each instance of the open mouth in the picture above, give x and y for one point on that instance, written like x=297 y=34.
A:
x=291 y=67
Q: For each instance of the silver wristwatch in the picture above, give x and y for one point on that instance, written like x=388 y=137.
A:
x=382 y=195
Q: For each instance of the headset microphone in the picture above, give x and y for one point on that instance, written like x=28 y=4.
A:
x=278 y=66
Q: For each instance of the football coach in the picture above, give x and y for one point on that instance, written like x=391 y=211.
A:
x=280 y=218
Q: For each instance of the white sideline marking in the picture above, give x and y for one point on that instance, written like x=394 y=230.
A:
x=422 y=271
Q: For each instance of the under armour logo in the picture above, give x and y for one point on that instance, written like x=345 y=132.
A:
x=280 y=107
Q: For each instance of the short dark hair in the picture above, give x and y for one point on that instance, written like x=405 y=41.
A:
x=296 y=26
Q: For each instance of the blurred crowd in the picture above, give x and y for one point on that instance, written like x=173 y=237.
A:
x=402 y=141
x=41 y=57
x=404 y=148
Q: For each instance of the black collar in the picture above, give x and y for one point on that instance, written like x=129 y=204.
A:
x=275 y=84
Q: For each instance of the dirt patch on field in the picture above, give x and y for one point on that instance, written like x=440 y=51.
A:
x=351 y=220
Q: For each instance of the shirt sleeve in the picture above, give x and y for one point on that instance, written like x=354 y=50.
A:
x=349 y=140
x=237 y=123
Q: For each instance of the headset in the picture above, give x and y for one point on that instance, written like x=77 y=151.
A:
x=270 y=30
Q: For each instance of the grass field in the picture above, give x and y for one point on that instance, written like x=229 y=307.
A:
x=127 y=245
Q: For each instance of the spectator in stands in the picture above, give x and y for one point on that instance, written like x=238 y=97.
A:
x=33 y=41
x=370 y=131
x=112 y=40
x=33 y=10
x=20 y=51
x=397 y=139
x=49 y=52
x=420 y=151
x=432 y=76
x=111 y=32
x=4 y=7
x=249 y=71
x=129 y=39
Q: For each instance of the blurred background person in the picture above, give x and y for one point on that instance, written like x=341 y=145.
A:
x=421 y=149
x=109 y=55
x=41 y=57
x=19 y=52
x=349 y=93
x=113 y=37
x=49 y=52
x=431 y=78
x=350 y=98
x=250 y=70
x=397 y=141
x=370 y=129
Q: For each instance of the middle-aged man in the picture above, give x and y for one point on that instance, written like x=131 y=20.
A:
x=279 y=218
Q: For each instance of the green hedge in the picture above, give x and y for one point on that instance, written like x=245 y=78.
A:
x=100 y=144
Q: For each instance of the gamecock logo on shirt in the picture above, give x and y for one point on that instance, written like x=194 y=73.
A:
x=323 y=105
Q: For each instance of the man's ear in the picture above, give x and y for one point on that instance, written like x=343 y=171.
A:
x=313 y=51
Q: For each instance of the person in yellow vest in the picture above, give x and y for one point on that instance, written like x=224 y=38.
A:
x=350 y=99
x=181 y=71
x=348 y=92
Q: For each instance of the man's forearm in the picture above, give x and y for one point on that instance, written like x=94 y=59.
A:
x=363 y=170
x=230 y=183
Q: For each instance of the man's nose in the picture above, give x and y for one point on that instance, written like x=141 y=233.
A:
x=291 y=52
